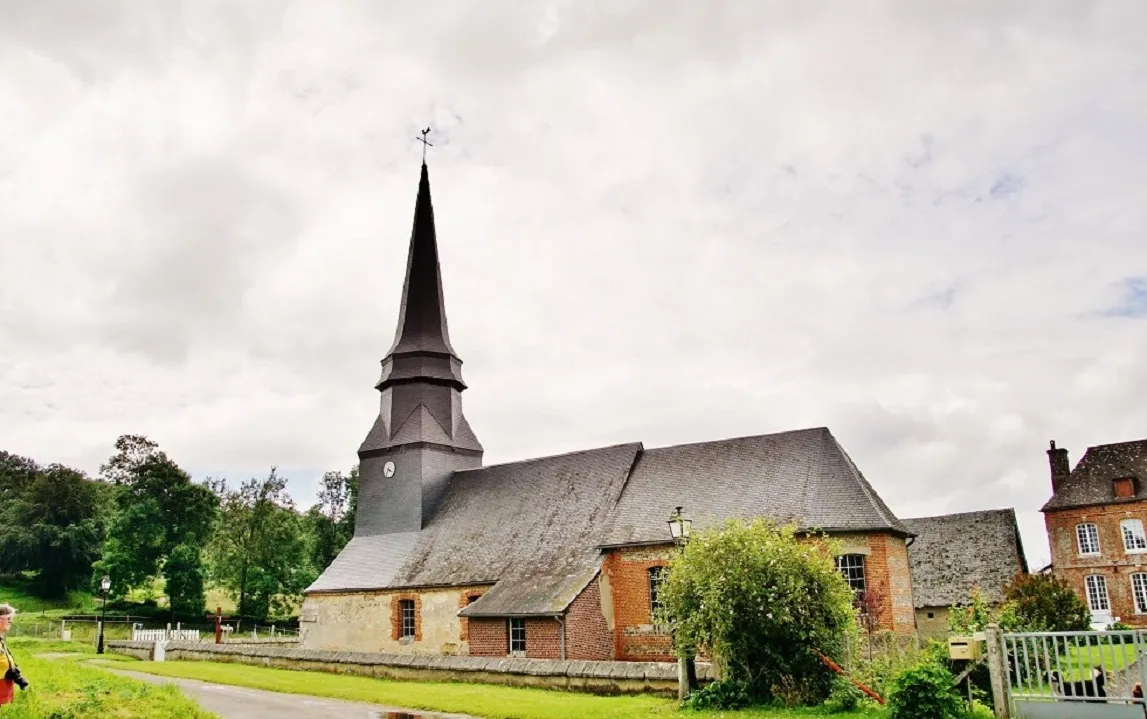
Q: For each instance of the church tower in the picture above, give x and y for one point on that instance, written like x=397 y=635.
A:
x=421 y=436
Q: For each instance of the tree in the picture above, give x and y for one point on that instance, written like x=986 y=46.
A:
x=52 y=522
x=763 y=605
x=260 y=552
x=157 y=508
x=330 y=521
x=183 y=578
x=1043 y=603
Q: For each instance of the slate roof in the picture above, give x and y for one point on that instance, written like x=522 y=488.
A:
x=954 y=552
x=1091 y=482
x=803 y=476
x=533 y=528
x=527 y=527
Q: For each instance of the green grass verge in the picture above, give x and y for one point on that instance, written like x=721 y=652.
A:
x=475 y=699
x=69 y=690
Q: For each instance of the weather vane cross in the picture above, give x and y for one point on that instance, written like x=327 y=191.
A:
x=425 y=143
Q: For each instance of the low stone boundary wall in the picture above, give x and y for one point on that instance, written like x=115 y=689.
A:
x=594 y=677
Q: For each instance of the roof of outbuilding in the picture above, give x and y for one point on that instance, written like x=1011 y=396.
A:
x=1092 y=480
x=533 y=528
x=803 y=477
x=953 y=553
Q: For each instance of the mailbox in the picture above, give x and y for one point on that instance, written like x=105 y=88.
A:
x=967 y=648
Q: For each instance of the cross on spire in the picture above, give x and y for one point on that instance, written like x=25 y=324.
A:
x=425 y=143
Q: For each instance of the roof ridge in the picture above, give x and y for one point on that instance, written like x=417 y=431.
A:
x=552 y=456
x=742 y=438
x=1001 y=510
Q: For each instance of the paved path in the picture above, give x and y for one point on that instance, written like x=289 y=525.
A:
x=231 y=702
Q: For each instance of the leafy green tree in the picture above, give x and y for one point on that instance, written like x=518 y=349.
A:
x=330 y=521
x=764 y=605
x=157 y=508
x=183 y=579
x=1043 y=603
x=51 y=522
x=261 y=551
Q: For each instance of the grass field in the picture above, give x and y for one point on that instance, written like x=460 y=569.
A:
x=477 y=699
x=71 y=690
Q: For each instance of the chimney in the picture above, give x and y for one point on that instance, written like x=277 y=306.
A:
x=1060 y=466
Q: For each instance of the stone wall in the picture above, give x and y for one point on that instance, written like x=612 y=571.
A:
x=367 y=621
x=932 y=622
x=585 y=676
x=1114 y=563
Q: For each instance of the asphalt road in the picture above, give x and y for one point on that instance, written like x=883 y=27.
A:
x=232 y=702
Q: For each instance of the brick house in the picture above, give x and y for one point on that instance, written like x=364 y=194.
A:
x=555 y=557
x=1095 y=525
x=952 y=554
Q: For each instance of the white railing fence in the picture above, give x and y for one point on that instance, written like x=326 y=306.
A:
x=165 y=635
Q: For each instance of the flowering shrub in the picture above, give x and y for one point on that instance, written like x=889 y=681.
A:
x=763 y=605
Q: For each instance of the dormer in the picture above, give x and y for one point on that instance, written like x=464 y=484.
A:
x=1125 y=487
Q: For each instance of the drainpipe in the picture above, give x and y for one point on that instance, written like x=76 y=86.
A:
x=562 y=623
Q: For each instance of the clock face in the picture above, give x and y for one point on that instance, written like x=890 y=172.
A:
x=388 y=469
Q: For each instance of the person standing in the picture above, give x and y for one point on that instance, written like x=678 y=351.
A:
x=12 y=676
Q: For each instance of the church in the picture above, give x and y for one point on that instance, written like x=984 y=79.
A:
x=556 y=557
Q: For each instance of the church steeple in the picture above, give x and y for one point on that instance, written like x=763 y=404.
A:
x=420 y=436
x=422 y=314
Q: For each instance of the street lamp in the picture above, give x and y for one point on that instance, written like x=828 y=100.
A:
x=680 y=527
x=105 y=585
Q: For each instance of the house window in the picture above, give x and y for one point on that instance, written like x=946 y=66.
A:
x=517 y=636
x=406 y=607
x=656 y=577
x=851 y=567
x=1096 y=585
x=1088 y=536
x=1139 y=591
x=1124 y=487
x=1133 y=538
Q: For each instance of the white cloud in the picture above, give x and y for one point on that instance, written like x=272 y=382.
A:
x=658 y=221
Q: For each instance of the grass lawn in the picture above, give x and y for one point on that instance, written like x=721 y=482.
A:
x=67 y=690
x=477 y=699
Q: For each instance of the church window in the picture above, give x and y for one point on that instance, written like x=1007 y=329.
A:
x=1088 y=536
x=406 y=606
x=1134 y=539
x=517 y=636
x=851 y=567
x=656 y=577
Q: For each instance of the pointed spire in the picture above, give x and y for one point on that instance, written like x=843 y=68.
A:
x=422 y=314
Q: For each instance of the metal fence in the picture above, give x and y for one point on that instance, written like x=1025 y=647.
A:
x=1076 y=675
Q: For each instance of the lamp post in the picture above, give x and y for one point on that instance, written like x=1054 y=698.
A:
x=681 y=529
x=105 y=585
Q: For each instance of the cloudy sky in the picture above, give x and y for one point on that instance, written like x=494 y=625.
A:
x=918 y=223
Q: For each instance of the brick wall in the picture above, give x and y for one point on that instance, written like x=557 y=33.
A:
x=634 y=636
x=489 y=637
x=887 y=570
x=588 y=635
x=1114 y=562
x=543 y=639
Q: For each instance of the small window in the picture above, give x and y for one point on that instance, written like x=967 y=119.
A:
x=472 y=598
x=517 y=636
x=1134 y=540
x=1097 y=599
x=406 y=606
x=931 y=615
x=1139 y=591
x=656 y=577
x=1088 y=536
x=851 y=567
x=1124 y=487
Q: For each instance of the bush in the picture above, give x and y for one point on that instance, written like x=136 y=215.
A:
x=725 y=694
x=845 y=697
x=763 y=605
x=924 y=692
